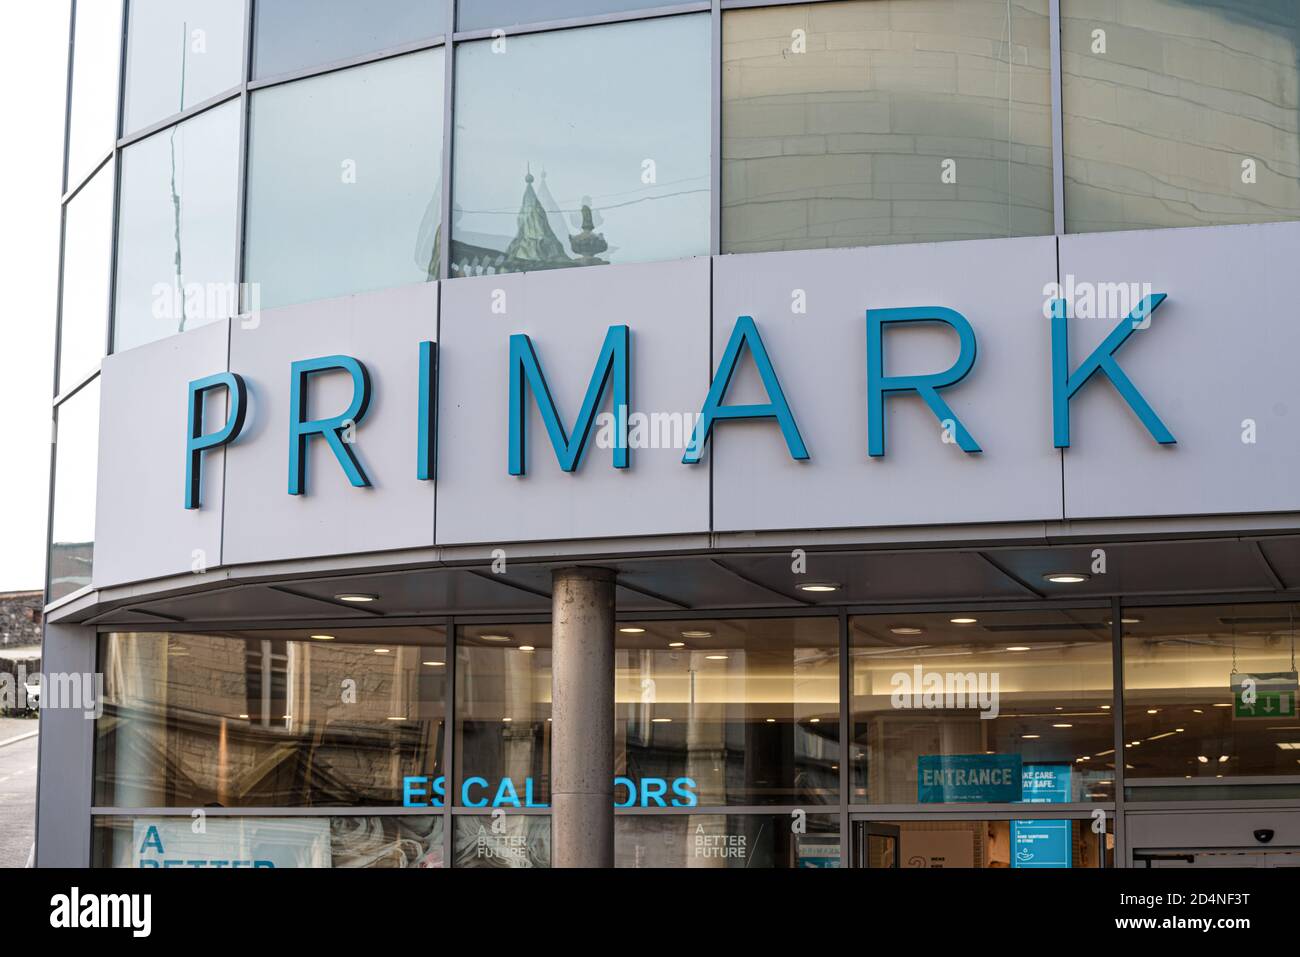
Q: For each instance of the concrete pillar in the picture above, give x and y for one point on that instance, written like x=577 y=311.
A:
x=582 y=717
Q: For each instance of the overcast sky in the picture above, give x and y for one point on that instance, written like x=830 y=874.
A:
x=33 y=76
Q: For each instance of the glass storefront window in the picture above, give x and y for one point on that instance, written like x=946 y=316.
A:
x=508 y=841
x=287 y=718
x=885 y=121
x=87 y=268
x=946 y=843
x=179 y=53
x=990 y=707
x=1190 y=675
x=491 y=14
x=344 y=174
x=176 y=229
x=725 y=840
x=76 y=457
x=293 y=35
x=92 y=119
x=265 y=842
x=567 y=154
x=503 y=715
x=1180 y=113
x=712 y=713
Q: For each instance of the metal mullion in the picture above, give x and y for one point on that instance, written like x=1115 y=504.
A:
x=448 y=145
x=1058 y=127
x=1117 y=709
x=177 y=118
x=347 y=63
x=67 y=93
x=449 y=762
x=846 y=740
x=241 y=183
x=71 y=194
x=623 y=16
x=715 y=131
x=76 y=387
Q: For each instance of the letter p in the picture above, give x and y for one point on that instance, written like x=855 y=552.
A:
x=196 y=442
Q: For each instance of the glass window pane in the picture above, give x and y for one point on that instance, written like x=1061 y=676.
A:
x=725 y=840
x=76 y=457
x=503 y=714
x=488 y=14
x=1210 y=692
x=742 y=712
x=258 y=842
x=296 y=34
x=996 y=707
x=286 y=718
x=96 y=50
x=179 y=53
x=567 y=154
x=1059 y=843
x=513 y=841
x=87 y=266
x=344 y=183
x=885 y=121
x=1180 y=112
x=176 y=229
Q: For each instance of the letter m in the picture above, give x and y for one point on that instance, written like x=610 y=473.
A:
x=612 y=366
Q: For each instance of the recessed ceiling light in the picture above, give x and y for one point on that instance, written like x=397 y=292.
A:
x=1125 y=620
x=1062 y=726
x=434 y=664
x=814 y=720
x=716 y=657
x=1066 y=578
x=661 y=720
x=963 y=621
x=527 y=648
x=696 y=634
x=820 y=586
x=381 y=651
x=1203 y=759
x=906 y=630
x=323 y=637
x=507 y=720
x=357 y=597
x=244 y=716
x=494 y=637
x=1153 y=710
x=1223 y=704
x=771 y=720
x=396 y=717
x=1223 y=758
x=1105 y=707
x=676 y=644
x=1018 y=648
x=632 y=630
x=1029 y=736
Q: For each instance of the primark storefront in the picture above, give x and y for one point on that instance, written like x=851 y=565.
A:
x=859 y=433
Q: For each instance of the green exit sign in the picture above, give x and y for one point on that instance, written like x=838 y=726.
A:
x=1264 y=696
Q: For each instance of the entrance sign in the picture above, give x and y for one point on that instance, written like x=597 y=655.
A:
x=953 y=778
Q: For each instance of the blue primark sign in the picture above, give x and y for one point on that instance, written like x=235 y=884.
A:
x=612 y=376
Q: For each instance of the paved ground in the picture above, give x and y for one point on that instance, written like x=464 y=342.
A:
x=17 y=792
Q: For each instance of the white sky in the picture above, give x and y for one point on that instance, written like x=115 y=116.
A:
x=33 y=75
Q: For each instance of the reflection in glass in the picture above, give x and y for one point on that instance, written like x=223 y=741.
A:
x=1058 y=843
x=488 y=14
x=885 y=121
x=92 y=121
x=176 y=229
x=269 y=718
x=344 y=181
x=503 y=714
x=1189 y=677
x=512 y=841
x=229 y=842
x=710 y=713
x=76 y=457
x=725 y=840
x=582 y=148
x=295 y=34
x=87 y=266
x=179 y=53
x=1008 y=707
x=1180 y=112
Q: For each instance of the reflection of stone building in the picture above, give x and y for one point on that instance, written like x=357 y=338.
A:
x=20 y=618
x=535 y=245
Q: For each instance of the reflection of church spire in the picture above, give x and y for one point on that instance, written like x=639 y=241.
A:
x=535 y=241
x=553 y=214
x=588 y=244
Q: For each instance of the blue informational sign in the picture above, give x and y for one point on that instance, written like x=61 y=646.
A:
x=1043 y=843
x=953 y=778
